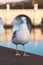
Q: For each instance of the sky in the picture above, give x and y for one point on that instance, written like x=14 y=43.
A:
x=12 y=0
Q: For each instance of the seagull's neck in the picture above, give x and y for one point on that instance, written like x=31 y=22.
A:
x=24 y=26
x=24 y=22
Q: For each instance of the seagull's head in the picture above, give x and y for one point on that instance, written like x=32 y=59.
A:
x=23 y=19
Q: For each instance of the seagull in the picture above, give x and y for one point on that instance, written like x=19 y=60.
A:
x=21 y=36
x=1 y=27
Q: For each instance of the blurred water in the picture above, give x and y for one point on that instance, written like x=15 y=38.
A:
x=29 y=47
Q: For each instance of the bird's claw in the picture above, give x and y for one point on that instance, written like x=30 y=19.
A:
x=18 y=54
x=25 y=54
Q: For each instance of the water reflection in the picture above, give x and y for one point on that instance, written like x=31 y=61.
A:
x=36 y=36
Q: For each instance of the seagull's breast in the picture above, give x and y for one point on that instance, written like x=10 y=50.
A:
x=23 y=34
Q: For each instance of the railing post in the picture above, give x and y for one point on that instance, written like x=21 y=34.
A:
x=8 y=6
x=35 y=7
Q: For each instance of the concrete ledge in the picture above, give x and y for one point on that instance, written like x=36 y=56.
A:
x=7 y=57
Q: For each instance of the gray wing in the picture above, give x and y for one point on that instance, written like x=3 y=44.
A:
x=14 y=34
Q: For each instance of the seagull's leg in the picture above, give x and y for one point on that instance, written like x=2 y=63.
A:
x=17 y=54
x=25 y=52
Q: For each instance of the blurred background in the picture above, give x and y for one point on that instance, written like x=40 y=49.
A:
x=35 y=45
